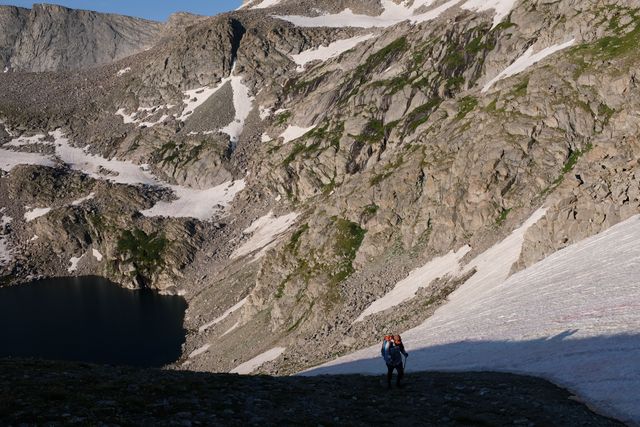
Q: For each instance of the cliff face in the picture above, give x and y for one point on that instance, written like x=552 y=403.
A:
x=54 y=38
x=284 y=170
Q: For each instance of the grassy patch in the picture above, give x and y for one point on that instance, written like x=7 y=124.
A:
x=294 y=243
x=282 y=118
x=421 y=114
x=349 y=237
x=387 y=171
x=142 y=250
x=520 y=89
x=465 y=106
x=372 y=133
x=503 y=216
x=573 y=158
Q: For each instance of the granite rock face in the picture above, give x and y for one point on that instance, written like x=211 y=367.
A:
x=55 y=38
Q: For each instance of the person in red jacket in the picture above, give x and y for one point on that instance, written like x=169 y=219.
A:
x=392 y=352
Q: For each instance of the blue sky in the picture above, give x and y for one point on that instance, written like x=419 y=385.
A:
x=157 y=10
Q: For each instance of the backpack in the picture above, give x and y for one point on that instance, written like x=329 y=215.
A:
x=387 y=343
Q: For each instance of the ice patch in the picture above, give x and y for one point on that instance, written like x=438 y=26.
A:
x=231 y=329
x=223 y=316
x=199 y=204
x=141 y=115
x=74 y=263
x=253 y=364
x=118 y=171
x=97 y=255
x=526 y=60
x=5 y=252
x=264 y=112
x=196 y=97
x=501 y=8
x=25 y=140
x=294 y=132
x=242 y=104
x=393 y=14
x=265 y=3
x=265 y=138
x=34 y=238
x=324 y=53
x=265 y=231
x=10 y=159
x=84 y=199
x=199 y=351
x=123 y=72
x=4 y=220
x=190 y=203
x=36 y=213
x=407 y=288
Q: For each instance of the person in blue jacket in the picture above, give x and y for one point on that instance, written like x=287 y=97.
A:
x=392 y=352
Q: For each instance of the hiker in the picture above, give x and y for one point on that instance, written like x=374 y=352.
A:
x=392 y=352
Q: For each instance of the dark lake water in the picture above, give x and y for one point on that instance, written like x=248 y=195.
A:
x=90 y=319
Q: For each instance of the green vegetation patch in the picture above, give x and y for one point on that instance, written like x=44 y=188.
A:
x=349 y=237
x=142 y=250
x=421 y=114
x=294 y=243
x=282 y=118
x=465 y=106
x=503 y=216
x=373 y=132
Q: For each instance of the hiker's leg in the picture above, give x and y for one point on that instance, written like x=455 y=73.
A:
x=389 y=374
x=400 y=369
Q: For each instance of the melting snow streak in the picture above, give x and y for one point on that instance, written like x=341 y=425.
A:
x=527 y=60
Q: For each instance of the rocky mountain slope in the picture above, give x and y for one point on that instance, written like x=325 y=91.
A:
x=285 y=166
x=55 y=38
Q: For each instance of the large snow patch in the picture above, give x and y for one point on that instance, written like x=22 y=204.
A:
x=573 y=318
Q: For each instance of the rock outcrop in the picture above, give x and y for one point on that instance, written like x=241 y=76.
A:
x=55 y=38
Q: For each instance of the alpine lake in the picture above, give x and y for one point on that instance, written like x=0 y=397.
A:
x=90 y=319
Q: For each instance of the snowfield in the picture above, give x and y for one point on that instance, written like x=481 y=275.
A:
x=395 y=13
x=189 y=202
x=265 y=4
x=10 y=159
x=265 y=231
x=97 y=255
x=224 y=315
x=573 y=318
x=5 y=251
x=83 y=199
x=501 y=8
x=527 y=60
x=253 y=364
x=242 y=104
x=36 y=213
x=406 y=289
x=324 y=53
x=74 y=263
x=199 y=204
x=294 y=132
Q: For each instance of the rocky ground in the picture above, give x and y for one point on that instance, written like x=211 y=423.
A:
x=409 y=159
x=60 y=393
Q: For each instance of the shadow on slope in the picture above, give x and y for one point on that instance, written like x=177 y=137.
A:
x=61 y=393
x=603 y=370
